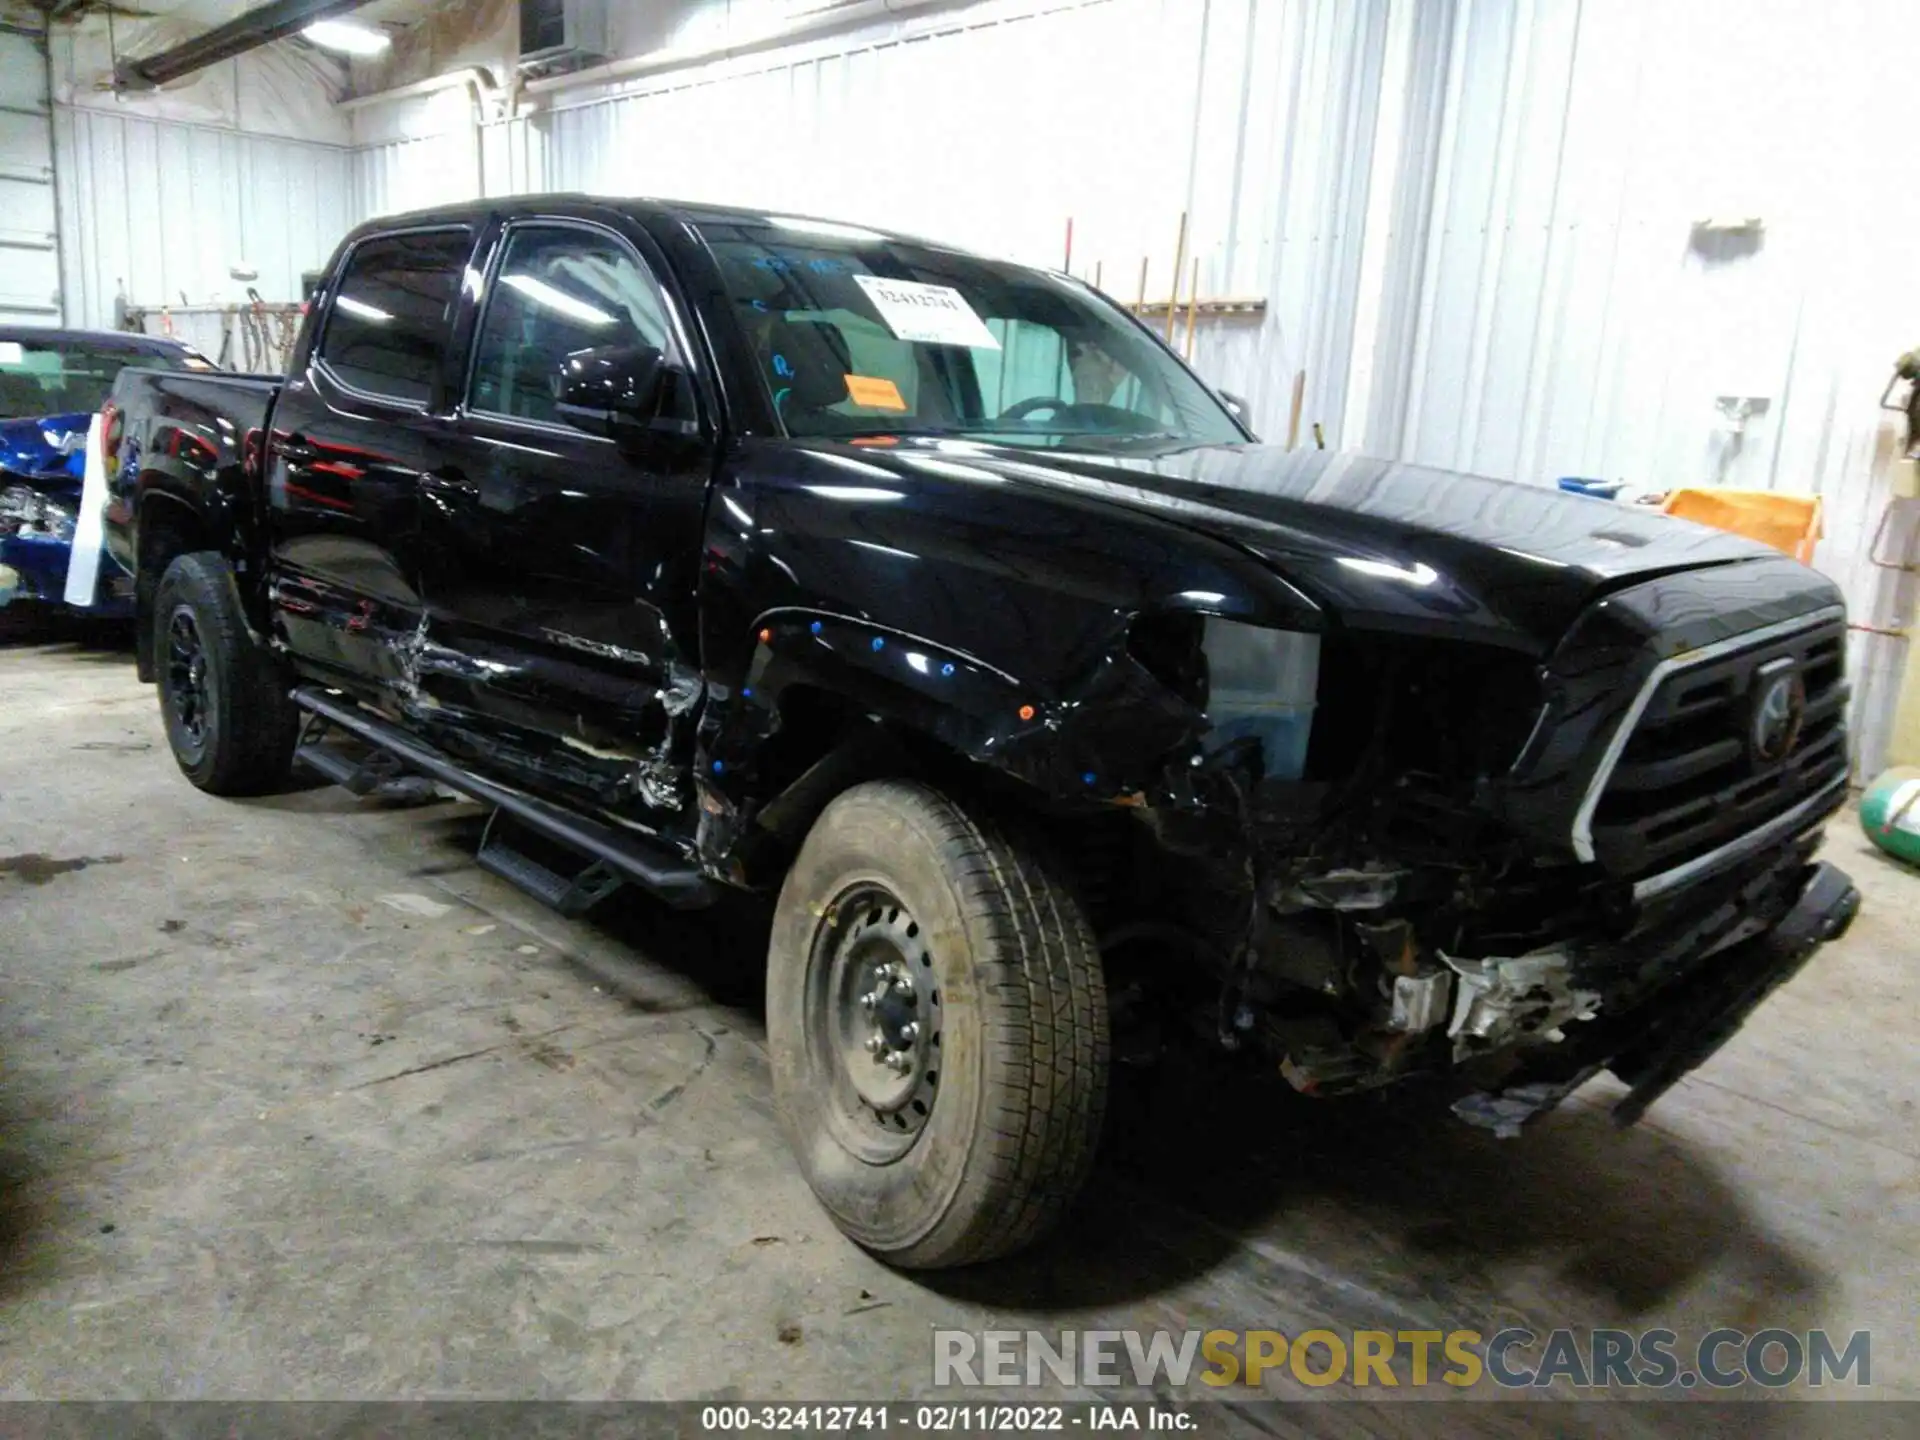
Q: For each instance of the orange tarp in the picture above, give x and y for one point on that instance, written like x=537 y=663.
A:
x=1787 y=522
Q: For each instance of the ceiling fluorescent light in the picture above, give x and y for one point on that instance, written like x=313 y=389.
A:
x=542 y=293
x=346 y=37
x=825 y=227
x=362 y=309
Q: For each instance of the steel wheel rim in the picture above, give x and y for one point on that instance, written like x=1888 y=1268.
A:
x=188 y=690
x=873 y=1020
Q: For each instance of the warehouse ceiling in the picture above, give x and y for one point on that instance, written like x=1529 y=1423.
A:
x=124 y=48
x=218 y=12
x=146 y=20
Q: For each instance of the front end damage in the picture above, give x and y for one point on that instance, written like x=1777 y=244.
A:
x=1355 y=998
x=39 y=500
x=42 y=474
x=1391 y=911
x=1368 y=857
x=36 y=538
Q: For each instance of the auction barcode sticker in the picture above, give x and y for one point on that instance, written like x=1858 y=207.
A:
x=927 y=314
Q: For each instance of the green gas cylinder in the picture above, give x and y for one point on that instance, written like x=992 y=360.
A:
x=1890 y=813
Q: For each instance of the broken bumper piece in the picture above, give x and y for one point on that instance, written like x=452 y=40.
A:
x=1689 y=1023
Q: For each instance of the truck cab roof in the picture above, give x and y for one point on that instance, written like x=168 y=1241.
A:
x=645 y=209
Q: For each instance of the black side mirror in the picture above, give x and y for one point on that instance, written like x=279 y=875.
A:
x=1239 y=409
x=617 y=390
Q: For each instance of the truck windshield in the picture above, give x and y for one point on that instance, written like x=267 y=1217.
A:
x=66 y=377
x=858 y=334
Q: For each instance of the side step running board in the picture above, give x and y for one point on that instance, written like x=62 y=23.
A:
x=375 y=773
x=618 y=855
x=569 y=894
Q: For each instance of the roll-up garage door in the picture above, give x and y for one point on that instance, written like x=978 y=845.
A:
x=29 y=239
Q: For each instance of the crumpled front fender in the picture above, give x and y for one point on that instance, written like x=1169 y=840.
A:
x=1099 y=739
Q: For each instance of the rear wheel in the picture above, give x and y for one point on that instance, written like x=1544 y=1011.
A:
x=937 y=1019
x=223 y=696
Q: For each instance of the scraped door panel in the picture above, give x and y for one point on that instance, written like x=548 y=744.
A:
x=560 y=564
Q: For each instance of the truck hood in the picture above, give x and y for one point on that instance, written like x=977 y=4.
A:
x=1380 y=545
x=48 y=449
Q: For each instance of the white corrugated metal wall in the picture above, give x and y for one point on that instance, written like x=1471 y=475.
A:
x=433 y=159
x=414 y=173
x=1474 y=221
x=154 y=210
x=1571 y=319
x=991 y=127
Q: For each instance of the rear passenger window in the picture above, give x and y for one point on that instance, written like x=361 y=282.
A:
x=390 y=319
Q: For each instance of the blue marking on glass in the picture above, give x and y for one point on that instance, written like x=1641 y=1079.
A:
x=947 y=669
x=719 y=767
x=814 y=627
x=878 y=643
x=1088 y=778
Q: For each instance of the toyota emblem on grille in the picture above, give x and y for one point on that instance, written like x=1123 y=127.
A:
x=1779 y=707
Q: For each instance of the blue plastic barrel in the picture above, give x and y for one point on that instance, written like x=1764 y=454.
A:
x=1598 y=489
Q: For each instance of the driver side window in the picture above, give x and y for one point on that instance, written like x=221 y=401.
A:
x=559 y=289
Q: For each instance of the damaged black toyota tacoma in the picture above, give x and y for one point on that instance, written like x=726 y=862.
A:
x=719 y=549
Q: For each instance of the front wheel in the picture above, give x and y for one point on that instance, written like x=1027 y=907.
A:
x=937 y=1018
x=223 y=696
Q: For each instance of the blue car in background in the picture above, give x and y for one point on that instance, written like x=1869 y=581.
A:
x=51 y=384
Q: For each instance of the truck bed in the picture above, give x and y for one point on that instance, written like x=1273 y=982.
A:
x=190 y=440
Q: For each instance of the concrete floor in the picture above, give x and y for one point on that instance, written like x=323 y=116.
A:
x=296 y=1102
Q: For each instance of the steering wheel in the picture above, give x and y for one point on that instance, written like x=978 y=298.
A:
x=1021 y=409
x=1087 y=415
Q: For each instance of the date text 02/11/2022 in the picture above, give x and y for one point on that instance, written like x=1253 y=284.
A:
x=965 y=1419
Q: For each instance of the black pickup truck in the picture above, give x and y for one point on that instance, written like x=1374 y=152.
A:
x=721 y=549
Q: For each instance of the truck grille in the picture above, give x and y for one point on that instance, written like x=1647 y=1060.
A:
x=1723 y=745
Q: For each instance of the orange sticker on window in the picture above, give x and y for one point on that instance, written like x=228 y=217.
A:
x=876 y=391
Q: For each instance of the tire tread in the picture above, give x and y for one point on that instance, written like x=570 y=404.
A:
x=1049 y=1063
x=257 y=724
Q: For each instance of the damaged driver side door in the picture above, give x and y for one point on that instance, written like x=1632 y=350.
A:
x=560 y=565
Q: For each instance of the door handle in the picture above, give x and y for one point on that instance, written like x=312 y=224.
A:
x=296 y=451
x=449 y=480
